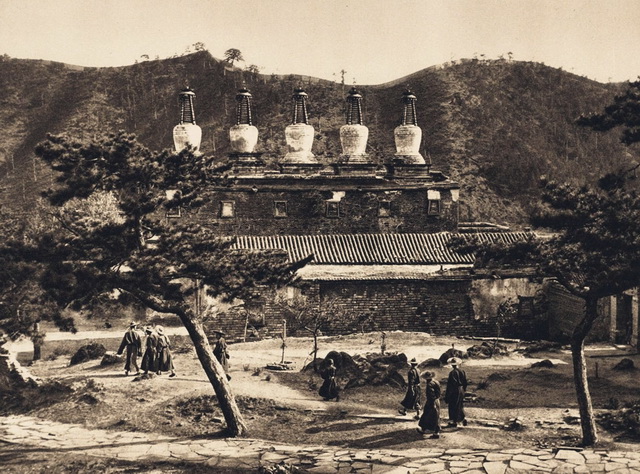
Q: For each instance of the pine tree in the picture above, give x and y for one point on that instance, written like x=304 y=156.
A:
x=594 y=252
x=139 y=254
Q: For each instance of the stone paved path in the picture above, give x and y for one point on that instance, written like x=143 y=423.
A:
x=250 y=454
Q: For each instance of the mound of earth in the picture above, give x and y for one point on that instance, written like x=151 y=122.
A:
x=543 y=364
x=88 y=352
x=624 y=364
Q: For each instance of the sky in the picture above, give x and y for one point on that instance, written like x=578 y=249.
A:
x=374 y=41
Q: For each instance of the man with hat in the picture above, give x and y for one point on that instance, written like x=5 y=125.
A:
x=221 y=353
x=454 y=395
x=430 y=419
x=133 y=343
x=412 y=398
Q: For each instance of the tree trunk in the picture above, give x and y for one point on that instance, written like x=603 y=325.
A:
x=587 y=420
x=216 y=375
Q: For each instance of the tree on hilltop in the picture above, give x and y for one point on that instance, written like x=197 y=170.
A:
x=232 y=56
x=140 y=255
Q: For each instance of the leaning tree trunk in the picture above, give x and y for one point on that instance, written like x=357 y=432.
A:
x=587 y=420
x=216 y=375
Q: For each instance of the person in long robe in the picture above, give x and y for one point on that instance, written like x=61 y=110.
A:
x=221 y=352
x=430 y=419
x=132 y=342
x=454 y=395
x=163 y=348
x=412 y=398
x=150 y=356
x=329 y=389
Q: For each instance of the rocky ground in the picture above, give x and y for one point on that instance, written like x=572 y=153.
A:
x=513 y=406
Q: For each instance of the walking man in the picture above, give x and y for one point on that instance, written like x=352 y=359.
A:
x=329 y=389
x=221 y=352
x=412 y=398
x=454 y=396
x=165 y=359
x=430 y=419
x=133 y=344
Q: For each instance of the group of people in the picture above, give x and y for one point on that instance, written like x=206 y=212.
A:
x=157 y=356
x=429 y=421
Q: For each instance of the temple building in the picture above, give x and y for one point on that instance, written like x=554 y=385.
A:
x=378 y=233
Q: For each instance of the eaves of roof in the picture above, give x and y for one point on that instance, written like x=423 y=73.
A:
x=373 y=249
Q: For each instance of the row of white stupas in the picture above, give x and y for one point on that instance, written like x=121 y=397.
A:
x=299 y=134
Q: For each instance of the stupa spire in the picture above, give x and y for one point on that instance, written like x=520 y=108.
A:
x=354 y=135
x=299 y=134
x=243 y=135
x=408 y=135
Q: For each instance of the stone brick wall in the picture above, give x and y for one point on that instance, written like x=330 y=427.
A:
x=358 y=211
x=436 y=307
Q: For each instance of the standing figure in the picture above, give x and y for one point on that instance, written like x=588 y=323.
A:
x=150 y=357
x=221 y=353
x=412 y=399
x=454 y=396
x=430 y=419
x=163 y=348
x=133 y=343
x=329 y=389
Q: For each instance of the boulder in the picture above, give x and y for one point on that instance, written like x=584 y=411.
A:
x=449 y=353
x=111 y=358
x=88 y=352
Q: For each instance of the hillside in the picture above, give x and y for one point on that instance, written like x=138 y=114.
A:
x=494 y=126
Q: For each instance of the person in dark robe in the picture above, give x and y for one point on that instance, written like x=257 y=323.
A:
x=132 y=342
x=430 y=419
x=412 y=398
x=221 y=352
x=454 y=395
x=150 y=357
x=163 y=349
x=329 y=389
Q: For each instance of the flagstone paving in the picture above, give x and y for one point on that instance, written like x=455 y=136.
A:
x=251 y=454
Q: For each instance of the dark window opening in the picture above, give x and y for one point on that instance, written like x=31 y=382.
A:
x=384 y=208
x=280 y=209
x=333 y=209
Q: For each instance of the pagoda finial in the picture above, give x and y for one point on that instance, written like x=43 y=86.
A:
x=300 y=114
x=243 y=107
x=354 y=107
x=409 y=116
x=187 y=111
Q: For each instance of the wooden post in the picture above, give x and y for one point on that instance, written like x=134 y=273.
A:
x=284 y=337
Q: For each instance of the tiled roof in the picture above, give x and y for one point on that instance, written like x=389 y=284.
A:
x=372 y=249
